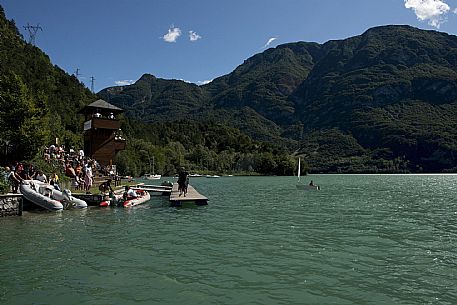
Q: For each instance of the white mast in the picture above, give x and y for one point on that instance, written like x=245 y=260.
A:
x=299 y=169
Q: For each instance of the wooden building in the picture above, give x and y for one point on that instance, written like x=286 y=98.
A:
x=103 y=138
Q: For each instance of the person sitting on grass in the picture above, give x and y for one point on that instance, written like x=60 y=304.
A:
x=54 y=181
x=40 y=176
x=79 y=176
x=70 y=172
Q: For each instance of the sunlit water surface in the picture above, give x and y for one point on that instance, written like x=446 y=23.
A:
x=362 y=239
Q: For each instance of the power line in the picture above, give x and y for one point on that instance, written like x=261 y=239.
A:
x=92 y=81
x=77 y=74
x=32 y=29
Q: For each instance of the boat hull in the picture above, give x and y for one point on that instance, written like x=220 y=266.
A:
x=31 y=191
x=137 y=201
x=68 y=200
x=104 y=204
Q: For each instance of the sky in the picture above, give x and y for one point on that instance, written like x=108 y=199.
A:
x=117 y=41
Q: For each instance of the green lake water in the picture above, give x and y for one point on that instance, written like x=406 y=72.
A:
x=362 y=239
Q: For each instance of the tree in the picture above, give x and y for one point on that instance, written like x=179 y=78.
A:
x=24 y=121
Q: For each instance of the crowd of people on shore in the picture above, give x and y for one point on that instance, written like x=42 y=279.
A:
x=18 y=172
x=74 y=164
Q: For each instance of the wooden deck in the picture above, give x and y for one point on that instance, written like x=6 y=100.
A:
x=191 y=196
x=153 y=188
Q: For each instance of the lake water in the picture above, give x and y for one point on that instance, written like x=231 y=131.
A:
x=362 y=239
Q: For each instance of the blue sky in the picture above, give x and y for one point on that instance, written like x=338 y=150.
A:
x=117 y=41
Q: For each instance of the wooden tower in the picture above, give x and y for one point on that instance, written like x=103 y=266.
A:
x=102 y=134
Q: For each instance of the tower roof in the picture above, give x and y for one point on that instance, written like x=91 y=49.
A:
x=101 y=105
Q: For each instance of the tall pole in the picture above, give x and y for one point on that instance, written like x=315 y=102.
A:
x=32 y=29
x=77 y=74
x=92 y=81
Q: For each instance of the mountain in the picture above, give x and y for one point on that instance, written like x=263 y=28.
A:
x=253 y=98
x=265 y=81
x=383 y=101
x=390 y=91
x=393 y=87
x=155 y=99
x=39 y=103
x=384 y=66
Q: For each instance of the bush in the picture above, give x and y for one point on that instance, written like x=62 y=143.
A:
x=4 y=183
x=49 y=168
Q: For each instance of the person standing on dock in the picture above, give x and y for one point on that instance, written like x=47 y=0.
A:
x=183 y=181
x=15 y=179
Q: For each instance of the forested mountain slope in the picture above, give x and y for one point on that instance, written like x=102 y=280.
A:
x=392 y=89
x=383 y=101
x=38 y=101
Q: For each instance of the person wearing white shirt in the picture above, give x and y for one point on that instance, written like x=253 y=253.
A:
x=41 y=177
x=81 y=154
x=131 y=193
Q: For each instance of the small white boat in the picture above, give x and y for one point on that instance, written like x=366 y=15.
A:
x=152 y=177
x=195 y=175
x=143 y=196
x=212 y=176
x=305 y=187
x=63 y=197
x=40 y=194
x=68 y=200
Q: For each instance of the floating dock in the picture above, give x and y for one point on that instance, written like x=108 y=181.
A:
x=191 y=196
x=163 y=189
x=90 y=199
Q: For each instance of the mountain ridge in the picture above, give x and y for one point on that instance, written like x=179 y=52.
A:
x=287 y=93
x=383 y=101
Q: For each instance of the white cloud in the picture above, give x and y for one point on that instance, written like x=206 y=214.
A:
x=455 y=11
x=124 y=82
x=203 y=82
x=270 y=41
x=194 y=36
x=172 y=35
x=432 y=10
x=198 y=83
